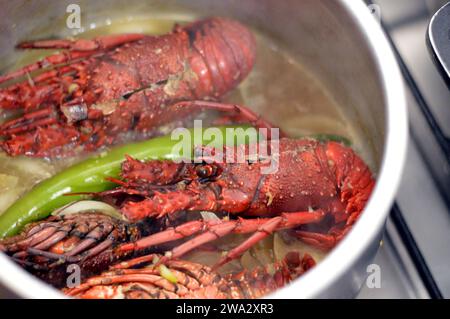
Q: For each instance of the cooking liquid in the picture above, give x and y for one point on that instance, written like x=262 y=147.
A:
x=278 y=87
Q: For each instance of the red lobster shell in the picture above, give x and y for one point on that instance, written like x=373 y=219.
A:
x=46 y=248
x=190 y=280
x=99 y=88
x=89 y=240
x=319 y=190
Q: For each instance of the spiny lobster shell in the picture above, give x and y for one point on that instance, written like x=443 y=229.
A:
x=318 y=189
x=309 y=175
x=48 y=247
x=110 y=86
x=192 y=281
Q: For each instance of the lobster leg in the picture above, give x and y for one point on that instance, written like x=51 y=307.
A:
x=170 y=234
x=260 y=227
x=26 y=96
x=63 y=241
x=321 y=241
x=243 y=112
x=262 y=232
x=108 y=279
x=193 y=199
x=48 y=87
x=79 y=49
x=190 y=281
x=28 y=122
x=55 y=59
x=121 y=273
x=37 y=234
x=100 y=43
x=40 y=141
x=324 y=241
x=329 y=240
x=213 y=230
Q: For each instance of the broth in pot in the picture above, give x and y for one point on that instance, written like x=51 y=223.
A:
x=279 y=87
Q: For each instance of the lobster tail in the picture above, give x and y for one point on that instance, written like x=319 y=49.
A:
x=224 y=54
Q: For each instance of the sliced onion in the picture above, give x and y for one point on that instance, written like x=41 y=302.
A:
x=260 y=255
x=9 y=191
x=89 y=206
x=28 y=168
x=7 y=198
x=249 y=262
x=8 y=182
x=209 y=216
x=263 y=250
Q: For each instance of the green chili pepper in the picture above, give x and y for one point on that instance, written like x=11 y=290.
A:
x=333 y=138
x=89 y=176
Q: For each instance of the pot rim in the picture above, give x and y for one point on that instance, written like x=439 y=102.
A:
x=369 y=225
x=372 y=220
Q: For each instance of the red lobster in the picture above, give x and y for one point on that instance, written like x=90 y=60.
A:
x=319 y=190
x=97 y=89
x=89 y=240
x=184 y=279
x=47 y=247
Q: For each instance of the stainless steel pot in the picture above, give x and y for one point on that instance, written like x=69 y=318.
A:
x=340 y=42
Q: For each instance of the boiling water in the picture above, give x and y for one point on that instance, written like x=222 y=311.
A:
x=279 y=88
